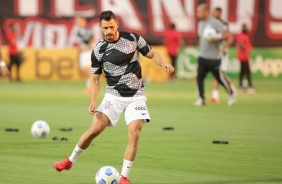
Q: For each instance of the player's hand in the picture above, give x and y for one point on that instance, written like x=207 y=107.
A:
x=168 y=68
x=223 y=51
x=92 y=108
x=212 y=40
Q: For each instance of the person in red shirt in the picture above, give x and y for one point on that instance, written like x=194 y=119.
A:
x=244 y=49
x=173 y=40
x=14 y=53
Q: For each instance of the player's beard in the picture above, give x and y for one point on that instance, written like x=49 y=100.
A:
x=110 y=37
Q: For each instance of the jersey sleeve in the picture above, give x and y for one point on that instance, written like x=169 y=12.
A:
x=142 y=46
x=219 y=26
x=96 y=66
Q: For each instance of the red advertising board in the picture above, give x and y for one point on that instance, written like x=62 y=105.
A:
x=50 y=23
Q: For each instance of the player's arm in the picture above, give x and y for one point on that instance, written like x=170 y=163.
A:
x=94 y=91
x=151 y=53
x=160 y=61
x=222 y=36
x=94 y=82
x=228 y=38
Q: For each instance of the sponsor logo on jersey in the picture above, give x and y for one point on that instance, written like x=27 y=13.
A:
x=140 y=108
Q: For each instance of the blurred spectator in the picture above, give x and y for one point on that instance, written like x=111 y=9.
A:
x=217 y=12
x=86 y=45
x=14 y=52
x=3 y=68
x=244 y=49
x=173 y=40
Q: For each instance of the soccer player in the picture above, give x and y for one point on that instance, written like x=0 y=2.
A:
x=118 y=56
x=173 y=40
x=244 y=49
x=14 y=51
x=3 y=68
x=210 y=53
x=224 y=62
x=86 y=45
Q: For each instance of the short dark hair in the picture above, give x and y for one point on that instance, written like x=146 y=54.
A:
x=107 y=15
x=218 y=9
x=205 y=6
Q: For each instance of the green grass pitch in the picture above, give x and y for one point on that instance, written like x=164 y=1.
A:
x=186 y=155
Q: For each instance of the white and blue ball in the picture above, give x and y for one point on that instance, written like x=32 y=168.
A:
x=209 y=33
x=107 y=175
x=40 y=129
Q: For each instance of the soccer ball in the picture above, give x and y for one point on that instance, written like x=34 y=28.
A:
x=209 y=33
x=40 y=129
x=107 y=175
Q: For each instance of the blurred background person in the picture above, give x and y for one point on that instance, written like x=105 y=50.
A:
x=210 y=53
x=15 y=55
x=217 y=12
x=86 y=45
x=244 y=49
x=3 y=68
x=173 y=40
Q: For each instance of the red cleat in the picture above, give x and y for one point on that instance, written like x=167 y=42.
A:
x=63 y=165
x=124 y=180
x=213 y=100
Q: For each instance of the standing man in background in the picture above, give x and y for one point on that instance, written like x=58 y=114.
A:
x=3 y=68
x=244 y=49
x=224 y=62
x=210 y=53
x=86 y=45
x=14 y=52
x=173 y=40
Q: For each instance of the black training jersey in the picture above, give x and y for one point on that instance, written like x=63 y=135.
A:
x=85 y=34
x=120 y=61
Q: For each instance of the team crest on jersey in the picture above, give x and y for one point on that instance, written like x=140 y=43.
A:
x=107 y=104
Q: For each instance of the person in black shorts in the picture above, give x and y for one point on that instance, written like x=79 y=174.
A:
x=210 y=53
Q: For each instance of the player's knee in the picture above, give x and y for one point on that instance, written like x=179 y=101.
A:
x=95 y=129
x=93 y=132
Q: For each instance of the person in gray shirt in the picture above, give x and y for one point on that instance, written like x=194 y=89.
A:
x=210 y=53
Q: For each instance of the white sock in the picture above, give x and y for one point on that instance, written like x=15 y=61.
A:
x=127 y=164
x=75 y=154
x=215 y=94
